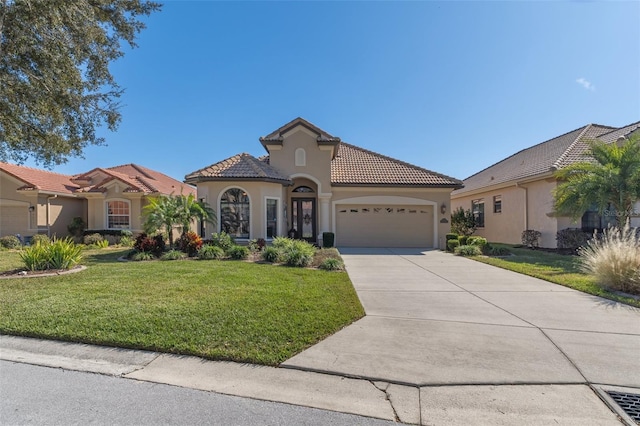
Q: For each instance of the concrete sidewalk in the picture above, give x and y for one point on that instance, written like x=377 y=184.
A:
x=446 y=341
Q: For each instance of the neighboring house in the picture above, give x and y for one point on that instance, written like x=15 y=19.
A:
x=516 y=193
x=311 y=182
x=36 y=201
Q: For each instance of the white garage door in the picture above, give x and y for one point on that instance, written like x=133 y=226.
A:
x=384 y=226
x=13 y=220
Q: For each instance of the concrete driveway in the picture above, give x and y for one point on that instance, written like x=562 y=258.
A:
x=436 y=319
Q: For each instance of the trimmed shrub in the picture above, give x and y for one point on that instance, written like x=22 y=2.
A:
x=40 y=239
x=462 y=239
x=614 y=259
x=100 y=244
x=271 y=254
x=328 y=239
x=332 y=265
x=238 y=252
x=142 y=255
x=58 y=254
x=173 y=255
x=208 y=252
x=92 y=239
x=497 y=250
x=126 y=241
x=467 y=250
x=77 y=227
x=189 y=243
x=572 y=238
x=531 y=238
x=452 y=244
x=451 y=236
x=10 y=242
x=222 y=240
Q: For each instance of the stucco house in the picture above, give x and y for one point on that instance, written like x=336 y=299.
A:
x=515 y=194
x=311 y=182
x=36 y=201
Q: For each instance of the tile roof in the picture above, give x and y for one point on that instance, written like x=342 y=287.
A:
x=239 y=167
x=36 y=179
x=137 y=179
x=544 y=157
x=276 y=135
x=358 y=166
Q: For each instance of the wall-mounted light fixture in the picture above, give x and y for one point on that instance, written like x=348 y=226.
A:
x=31 y=209
x=443 y=208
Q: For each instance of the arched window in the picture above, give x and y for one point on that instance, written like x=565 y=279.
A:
x=234 y=213
x=118 y=214
x=303 y=189
x=301 y=157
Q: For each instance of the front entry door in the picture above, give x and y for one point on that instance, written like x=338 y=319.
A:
x=303 y=212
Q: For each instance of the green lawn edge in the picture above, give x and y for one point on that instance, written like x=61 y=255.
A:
x=556 y=268
x=220 y=310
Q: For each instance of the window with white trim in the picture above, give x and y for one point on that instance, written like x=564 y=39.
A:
x=272 y=217
x=497 y=204
x=118 y=214
x=477 y=207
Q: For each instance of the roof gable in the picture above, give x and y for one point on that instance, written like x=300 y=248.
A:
x=239 y=167
x=36 y=179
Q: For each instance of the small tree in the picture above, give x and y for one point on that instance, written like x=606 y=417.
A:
x=463 y=222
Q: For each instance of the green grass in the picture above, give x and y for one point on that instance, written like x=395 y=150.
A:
x=225 y=310
x=556 y=268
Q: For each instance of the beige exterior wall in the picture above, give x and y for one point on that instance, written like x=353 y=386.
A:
x=51 y=214
x=317 y=165
x=258 y=192
x=97 y=209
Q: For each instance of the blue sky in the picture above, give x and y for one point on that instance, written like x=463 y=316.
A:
x=448 y=86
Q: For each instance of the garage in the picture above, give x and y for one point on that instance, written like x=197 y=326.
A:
x=384 y=226
x=14 y=219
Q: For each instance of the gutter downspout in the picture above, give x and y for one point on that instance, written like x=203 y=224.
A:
x=49 y=214
x=526 y=204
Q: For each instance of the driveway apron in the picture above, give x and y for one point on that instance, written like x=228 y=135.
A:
x=437 y=319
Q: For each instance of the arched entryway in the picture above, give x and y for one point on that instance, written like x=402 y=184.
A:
x=303 y=201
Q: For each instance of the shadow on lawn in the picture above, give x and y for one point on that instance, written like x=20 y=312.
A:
x=106 y=256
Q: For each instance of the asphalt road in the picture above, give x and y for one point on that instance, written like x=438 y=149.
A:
x=38 y=395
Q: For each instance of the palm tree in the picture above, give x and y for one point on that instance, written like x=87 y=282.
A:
x=190 y=209
x=611 y=181
x=161 y=212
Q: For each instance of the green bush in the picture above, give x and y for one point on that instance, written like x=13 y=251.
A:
x=282 y=242
x=139 y=256
x=614 y=259
x=298 y=253
x=58 y=254
x=451 y=236
x=332 y=265
x=222 y=240
x=572 y=238
x=257 y=245
x=173 y=255
x=209 y=252
x=77 y=227
x=479 y=242
x=126 y=241
x=271 y=254
x=462 y=239
x=468 y=250
x=452 y=244
x=40 y=239
x=238 y=252
x=531 y=238
x=100 y=244
x=92 y=239
x=10 y=242
x=328 y=239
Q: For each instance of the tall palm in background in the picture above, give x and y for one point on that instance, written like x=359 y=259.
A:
x=610 y=182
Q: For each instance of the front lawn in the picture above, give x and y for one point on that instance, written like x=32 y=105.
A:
x=225 y=310
x=557 y=268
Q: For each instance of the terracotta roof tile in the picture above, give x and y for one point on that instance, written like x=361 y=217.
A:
x=545 y=157
x=276 y=135
x=240 y=166
x=40 y=179
x=358 y=166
